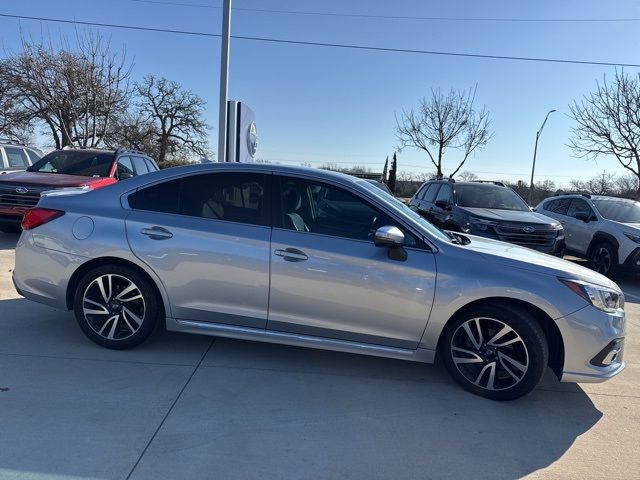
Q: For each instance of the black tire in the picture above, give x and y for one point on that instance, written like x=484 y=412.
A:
x=137 y=317
x=603 y=258
x=10 y=228
x=531 y=350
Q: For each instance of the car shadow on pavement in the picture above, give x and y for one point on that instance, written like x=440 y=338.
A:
x=294 y=410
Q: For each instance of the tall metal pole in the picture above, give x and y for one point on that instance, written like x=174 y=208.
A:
x=224 y=80
x=535 y=151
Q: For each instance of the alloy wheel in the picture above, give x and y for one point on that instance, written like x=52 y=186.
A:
x=489 y=354
x=602 y=260
x=113 y=306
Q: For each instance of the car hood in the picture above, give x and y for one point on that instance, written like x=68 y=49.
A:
x=513 y=256
x=53 y=180
x=510 y=215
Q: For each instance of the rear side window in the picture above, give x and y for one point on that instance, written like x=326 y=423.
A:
x=444 y=194
x=150 y=165
x=16 y=157
x=233 y=197
x=559 y=206
x=430 y=193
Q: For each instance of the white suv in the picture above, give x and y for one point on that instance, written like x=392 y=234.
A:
x=605 y=230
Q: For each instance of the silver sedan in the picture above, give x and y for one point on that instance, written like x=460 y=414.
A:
x=316 y=259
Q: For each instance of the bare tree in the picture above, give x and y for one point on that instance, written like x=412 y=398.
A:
x=602 y=184
x=72 y=90
x=627 y=185
x=175 y=116
x=608 y=122
x=445 y=122
x=467 y=176
x=14 y=121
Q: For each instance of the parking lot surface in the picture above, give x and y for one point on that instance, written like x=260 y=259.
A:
x=194 y=407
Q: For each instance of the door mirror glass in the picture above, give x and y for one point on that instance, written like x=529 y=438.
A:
x=124 y=175
x=443 y=204
x=388 y=236
x=584 y=216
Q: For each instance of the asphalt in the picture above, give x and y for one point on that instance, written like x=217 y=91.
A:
x=192 y=407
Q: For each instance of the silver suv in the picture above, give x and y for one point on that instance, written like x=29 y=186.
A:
x=317 y=259
x=604 y=230
x=16 y=156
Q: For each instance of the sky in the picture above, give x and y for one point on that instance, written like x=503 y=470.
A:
x=328 y=105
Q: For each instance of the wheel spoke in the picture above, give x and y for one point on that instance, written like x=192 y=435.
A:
x=520 y=366
x=130 y=288
x=476 y=343
x=109 y=321
x=92 y=311
x=473 y=358
x=105 y=291
x=508 y=370
x=491 y=367
x=505 y=330
x=133 y=316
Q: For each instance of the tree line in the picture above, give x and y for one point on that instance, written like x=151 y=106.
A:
x=606 y=125
x=80 y=92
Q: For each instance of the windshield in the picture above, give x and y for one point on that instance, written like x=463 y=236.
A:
x=397 y=205
x=623 y=211
x=489 y=196
x=73 y=162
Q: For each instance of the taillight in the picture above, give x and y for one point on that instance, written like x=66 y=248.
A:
x=39 y=216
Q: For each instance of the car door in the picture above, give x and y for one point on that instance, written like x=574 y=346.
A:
x=328 y=279
x=207 y=238
x=581 y=232
x=557 y=209
x=426 y=203
x=439 y=214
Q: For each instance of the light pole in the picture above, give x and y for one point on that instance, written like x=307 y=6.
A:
x=224 y=81
x=535 y=151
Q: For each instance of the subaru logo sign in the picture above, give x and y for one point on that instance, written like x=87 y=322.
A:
x=22 y=190
x=528 y=229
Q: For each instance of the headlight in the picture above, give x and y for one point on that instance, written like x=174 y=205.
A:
x=603 y=298
x=481 y=224
x=632 y=237
x=556 y=226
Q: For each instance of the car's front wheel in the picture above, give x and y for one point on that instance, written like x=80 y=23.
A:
x=116 y=306
x=604 y=259
x=495 y=351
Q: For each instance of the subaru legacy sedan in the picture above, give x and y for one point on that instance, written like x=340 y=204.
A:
x=316 y=259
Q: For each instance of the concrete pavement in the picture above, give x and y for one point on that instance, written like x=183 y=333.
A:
x=183 y=406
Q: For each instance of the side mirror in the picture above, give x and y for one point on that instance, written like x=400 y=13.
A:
x=124 y=175
x=584 y=216
x=388 y=236
x=443 y=204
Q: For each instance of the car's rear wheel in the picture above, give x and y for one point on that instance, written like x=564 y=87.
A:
x=604 y=258
x=495 y=351
x=116 y=306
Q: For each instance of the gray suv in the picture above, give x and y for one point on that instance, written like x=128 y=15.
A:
x=317 y=259
x=15 y=156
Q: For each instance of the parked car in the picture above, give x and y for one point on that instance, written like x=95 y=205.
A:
x=604 y=230
x=16 y=156
x=317 y=259
x=487 y=209
x=81 y=168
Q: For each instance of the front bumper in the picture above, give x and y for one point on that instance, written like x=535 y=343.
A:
x=632 y=263
x=593 y=345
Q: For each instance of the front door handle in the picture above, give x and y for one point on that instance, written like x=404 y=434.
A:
x=292 y=254
x=157 y=233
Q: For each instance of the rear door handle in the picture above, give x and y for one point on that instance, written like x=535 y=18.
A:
x=292 y=255
x=157 y=233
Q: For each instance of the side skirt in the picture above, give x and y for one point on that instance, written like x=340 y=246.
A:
x=261 y=335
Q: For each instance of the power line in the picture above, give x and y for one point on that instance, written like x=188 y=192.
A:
x=325 y=44
x=397 y=17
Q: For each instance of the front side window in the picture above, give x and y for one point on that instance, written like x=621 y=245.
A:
x=16 y=157
x=315 y=207
x=489 y=196
x=233 y=197
x=559 y=206
x=579 y=207
x=430 y=193
x=140 y=165
x=444 y=194
x=75 y=162
x=124 y=168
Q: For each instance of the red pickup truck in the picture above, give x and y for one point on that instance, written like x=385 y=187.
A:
x=88 y=168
